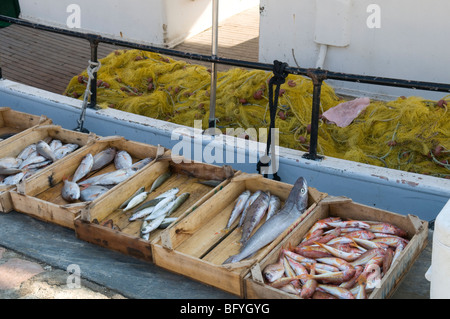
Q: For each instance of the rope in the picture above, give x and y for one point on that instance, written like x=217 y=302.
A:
x=91 y=70
x=279 y=77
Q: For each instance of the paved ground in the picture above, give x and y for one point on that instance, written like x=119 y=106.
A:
x=35 y=257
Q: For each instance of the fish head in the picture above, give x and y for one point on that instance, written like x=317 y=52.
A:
x=299 y=194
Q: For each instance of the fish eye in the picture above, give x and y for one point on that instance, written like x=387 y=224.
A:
x=302 y=190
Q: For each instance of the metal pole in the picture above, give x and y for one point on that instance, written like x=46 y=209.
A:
x=94 y=58
x=215 y=27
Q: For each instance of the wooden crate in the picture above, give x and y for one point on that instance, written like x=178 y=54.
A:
x=40 y=196
x=32 y=136
x=417 y=230
x=124 y=236
x=198 y=245
x=15 y=124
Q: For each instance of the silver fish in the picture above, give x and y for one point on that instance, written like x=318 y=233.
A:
x=13 y=179
x=178 y=202
x=250 y=200
x=167 y=221
x=151 y=226
x=70 y=191
x=92 y=192
x=140 y=164
x=84 y=168
x=103 y=158
x=156 y=200
x=294 y=207
x=125 y=203
x=10 y=162
x=123 y=160
x=274 y=206
x=55 y=144
x=32 y=160
x=161 y=179
x=136 y=200
x=161 y=208
x=38 y=165
x=238 y=208
x=27 y=151
x=64 y=150
x=162 y=211
x=141 y=213
x=254 y=215
x=114 y=177
x=44 y=149
x=9 y=171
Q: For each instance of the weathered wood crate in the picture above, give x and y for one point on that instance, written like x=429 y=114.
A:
x=34 y=135
x=417 y=231
x=40 y=196
x=103 y=223
x=198 y=245
x=16 y=124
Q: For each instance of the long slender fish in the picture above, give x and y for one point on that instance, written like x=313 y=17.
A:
x=65 y=149
x=136 y=200
x=140 y=164
x=152 y=225
x=27 y=151
x=294 y=207
x=156 y=200
x=274 y=206
x=161 y=179
x=250 y=201
x=103 y=158
x=254 y=215
x=141 y=213
x=122 y=160
x=44 y=149
x=238 y=208
x=178 y=202
x=84 y=168
x=125 y=203
x=32 y=160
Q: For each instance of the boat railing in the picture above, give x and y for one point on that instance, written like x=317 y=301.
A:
x=317 y=75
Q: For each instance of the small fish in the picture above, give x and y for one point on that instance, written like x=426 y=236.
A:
x=363 y=234
x=162 y=207
x=392 y=241
x=339 y=253
x=13 y=179
x=274 y=271
x=178 y=202
x=250 y=201
x=297 y=257
x=114 y=177
x=161 y=179
x=387 y=229
x=70 y=191
x=32 y=160
x=238 y=208
x=10 y=162
x=310 y=286
x=84 y=168
x=349 y=223
x=141 y=213
x=167 y=222
x=10 y=171
x=336 y=291
x=65 y=150
x=211 y=183
x=367 y=256
x=156 y=200
x=44 y=149
x=92 y=192
x=103 y=158
x=125 y=203
x=320 y=224
x=387 y=260
x=254 y=215
x=136 y=200
x=274 y=206
x=55 y=144
x=342 y=265
x=152 y=225
x=37 y=165
x=122 y=160
x=27 y=151
x=140 y=164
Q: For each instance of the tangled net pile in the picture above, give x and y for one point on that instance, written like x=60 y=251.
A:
x=409 y=134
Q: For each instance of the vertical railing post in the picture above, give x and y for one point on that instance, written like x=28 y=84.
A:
x=317 y=78
x=94 y=59
x=215 y=27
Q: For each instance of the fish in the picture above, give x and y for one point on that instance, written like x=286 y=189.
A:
x=339 y=292
x=136 y=200
x=295 y=205
x=297 y=257
x=367 y=256
x=114 y=177
x=297 y=267
x=274 y=206
x=398 y=251
x=160 y=180
x=320 y=224
x=125 y=203
x=26 y=152
x=349 y=223
x=391 y=241
x=351 y=282
x=43 y=149
x=178 y=202
x=369 y=244
x=122 y=160
x=55 y=144
x=70 y=191
x=141 y=213
x=65 y=150
x=152 y=225
x=32 y=160
x=312 y=251
x=10 y=162
x=140 y=164
x=344 y=266
x=211 y=183
x=162 y=207
x=275 y=270
x=37 y=165
x=103 y=158
x=340 y=254
x=310 y=286
x=92 y=192
x=84 y=168
x=330 y=277
x=13 y=179
x=250 y=201
x=10 y=171
x=363 y=234
x=322 y=295
x=254 y=215
x=156 y=200
x=387 y=229
x=167 y=222
x=238 y=207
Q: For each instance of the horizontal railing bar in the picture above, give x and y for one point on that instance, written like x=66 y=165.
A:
x=311 y=72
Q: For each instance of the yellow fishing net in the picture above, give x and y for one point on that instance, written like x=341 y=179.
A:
x=409 y=134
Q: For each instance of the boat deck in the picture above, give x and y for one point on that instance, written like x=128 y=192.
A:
x=48 y=60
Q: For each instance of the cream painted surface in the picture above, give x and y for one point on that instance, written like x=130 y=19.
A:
x=154 y=22
x=407 y=45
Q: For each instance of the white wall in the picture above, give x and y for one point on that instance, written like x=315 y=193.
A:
x=155 y=22
x=410 y=43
